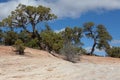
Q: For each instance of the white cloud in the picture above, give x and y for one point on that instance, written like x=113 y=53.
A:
x=97 y=51
x=115 y=42
x=57 y=31
x=88 y=49
x=63 y=8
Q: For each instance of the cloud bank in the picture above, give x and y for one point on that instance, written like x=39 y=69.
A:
x=63 y=8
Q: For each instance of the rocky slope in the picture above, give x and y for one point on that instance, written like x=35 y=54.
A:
x=40 y=65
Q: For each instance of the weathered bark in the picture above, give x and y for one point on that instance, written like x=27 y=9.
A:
x=34 y=31
x=93 y=48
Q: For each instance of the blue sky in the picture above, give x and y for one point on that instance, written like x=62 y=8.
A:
x=71 y=13
x=111 y=20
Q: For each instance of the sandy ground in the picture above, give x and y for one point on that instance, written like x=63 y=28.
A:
x=40 y=65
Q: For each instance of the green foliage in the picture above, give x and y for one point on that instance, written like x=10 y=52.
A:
x=1 y=24
x=99 y=34
x=1 y=37
x=104 y=37
x=25 y=36
x=114 y=52
x=72 y=43
x=72 y=35
x=33 y=43
x=10 y=37
x=19 y=45
x=53 y=41
x=27 y=39
x=89 y=27
x=24 y=15
x=7 y=22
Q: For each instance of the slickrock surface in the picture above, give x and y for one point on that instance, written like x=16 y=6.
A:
x=40 y=65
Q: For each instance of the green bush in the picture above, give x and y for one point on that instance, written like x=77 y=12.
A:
x=52 y=41
x=10 y=37
x=1 y=37
x=114 y=52
x=25 y=36
x=19 y=45
x=33 y=43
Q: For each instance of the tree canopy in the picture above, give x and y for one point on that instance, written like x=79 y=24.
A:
x=72 y=35
x=24 y=15
x=51 y=41
x=99 y=34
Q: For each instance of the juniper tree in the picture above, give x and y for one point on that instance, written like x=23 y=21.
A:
x=52 y=41
x=24 y=15
x=72 y=43
x=99 y=35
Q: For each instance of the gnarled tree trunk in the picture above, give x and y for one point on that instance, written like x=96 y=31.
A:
x=93 y=48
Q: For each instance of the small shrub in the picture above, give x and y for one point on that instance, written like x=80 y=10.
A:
x=25 y=36
x=52 y=41
x=1 y=37
x=70 y=52
x=82 y=51
x=19 y=45
x=33 y=43
x=114 y=52
x=10 y=37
